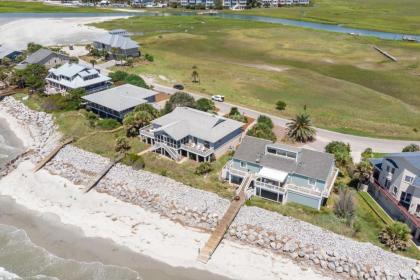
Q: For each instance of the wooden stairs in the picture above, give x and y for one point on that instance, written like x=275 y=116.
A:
x=52 y=154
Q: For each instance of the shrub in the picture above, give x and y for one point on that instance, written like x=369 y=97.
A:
x=136 y=80
x=32 y=47
x=108 y=124
x=135 y=161
x=411 y=148
x=118 y=76
x=122 y=145
x=341 y=152
x=396 y=236
x=149 y=57
x=367 y=153
x=234 y=114
x=280 y=105
x=345 y=207
x=261 y=130
x=266 y=121
x=203 y=168
x=179 y=99
x=92 y=118
x=206 y=105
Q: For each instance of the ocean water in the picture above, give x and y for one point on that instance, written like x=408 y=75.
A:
x=22 y=259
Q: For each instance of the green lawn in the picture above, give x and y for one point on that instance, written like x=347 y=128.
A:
x=39 y=7
x=386 y=15
x=184 y=172
x=370 y=224
x=346 y=85
x=92 y=139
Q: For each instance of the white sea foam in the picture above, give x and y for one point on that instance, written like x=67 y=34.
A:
x=6 y=275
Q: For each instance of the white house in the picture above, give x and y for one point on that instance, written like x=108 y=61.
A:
x=74 y=76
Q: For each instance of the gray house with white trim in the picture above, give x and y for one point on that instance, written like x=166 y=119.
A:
x=119 y=41
x=187 y=132
x=396 y=186
x=118 y=101
x=282 y=173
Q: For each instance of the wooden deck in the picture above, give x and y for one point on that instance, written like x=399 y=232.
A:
x=103 y=173
x=52 y=154
x=217 y=235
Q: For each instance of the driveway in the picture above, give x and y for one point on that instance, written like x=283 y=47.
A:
x=358 y=144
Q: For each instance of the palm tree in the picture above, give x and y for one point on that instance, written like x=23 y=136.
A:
x=363 y=171
x=300 y=128
x=195 y=76
x=93 y=62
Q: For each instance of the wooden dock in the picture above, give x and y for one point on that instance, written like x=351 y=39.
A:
x=103 y=173
x=52 y=154
x=388 y=55
x=217 y=235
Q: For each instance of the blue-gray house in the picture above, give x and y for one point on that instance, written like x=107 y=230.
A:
x=187 y=132
x=282 y=173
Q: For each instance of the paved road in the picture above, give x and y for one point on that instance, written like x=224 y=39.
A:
x=358 y=144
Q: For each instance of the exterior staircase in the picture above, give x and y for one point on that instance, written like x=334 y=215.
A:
x=171 y=151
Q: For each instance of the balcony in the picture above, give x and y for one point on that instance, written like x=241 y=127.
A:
x=239 y=172
x=197 y=149
x=269 y=186
x=304 y=190
x=147 y=131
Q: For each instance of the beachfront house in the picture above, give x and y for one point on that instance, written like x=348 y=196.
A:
x=282 y=173
x=74 y=76
x=395 y=185
x=187 y=132
x=44 y=57
x=8 y=53
x=118 y=101
x=117 y=42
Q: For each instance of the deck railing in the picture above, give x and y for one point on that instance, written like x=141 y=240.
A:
x=199 y=150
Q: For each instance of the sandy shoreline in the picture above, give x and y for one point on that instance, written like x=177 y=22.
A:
x=76 y=30
x=100 y=215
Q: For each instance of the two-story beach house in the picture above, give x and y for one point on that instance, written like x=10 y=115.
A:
x=282 y=173
x=117 y=42
x=74 y=76
x=187 y=132
x=395 y=185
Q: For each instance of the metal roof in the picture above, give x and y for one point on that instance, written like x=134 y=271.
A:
x=119 y=41
x=309 y=163
x=5 y=52
x=184 y=121
x=121 y=98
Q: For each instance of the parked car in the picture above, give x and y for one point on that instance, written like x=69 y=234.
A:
x=219 y=98
x=179 y=87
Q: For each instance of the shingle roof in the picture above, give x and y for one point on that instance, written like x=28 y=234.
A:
x=411 y=158
x=120 y=98
x=309 y=163
x=184 y=121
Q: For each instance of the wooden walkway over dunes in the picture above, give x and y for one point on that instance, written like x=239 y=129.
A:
x=7 y=92
x=217 y=235
x=103 y=173
x=52 y=154
x=388 y=55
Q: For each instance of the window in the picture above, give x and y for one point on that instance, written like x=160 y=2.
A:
x=387 y=168
x=408 y=179
x=418 y=208
x=394 y=190
x=405 y=197
x=312 y=182
x=243 y=164
x=393 y=170
x=271 y=150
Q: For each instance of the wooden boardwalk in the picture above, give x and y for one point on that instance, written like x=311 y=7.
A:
x=388 y=55
x=52 y=154
x=103 y=173
x=7 y=92
x=217 y=235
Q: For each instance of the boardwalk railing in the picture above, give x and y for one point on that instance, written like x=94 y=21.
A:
x=217 y=235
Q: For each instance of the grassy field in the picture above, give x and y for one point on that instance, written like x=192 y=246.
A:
x=386 y=15
x=39 y=7
x=346 y=85
x=370 y=224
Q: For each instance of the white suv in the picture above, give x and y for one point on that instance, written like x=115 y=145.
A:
x=219 y=98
